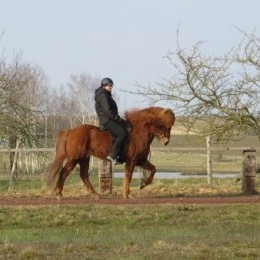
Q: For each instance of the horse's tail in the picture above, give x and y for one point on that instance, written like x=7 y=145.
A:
x=60 y=156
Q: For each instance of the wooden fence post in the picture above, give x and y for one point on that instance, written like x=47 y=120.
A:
x=105 y=176
x=249 y=171
x=209 y=164
x=13 y=169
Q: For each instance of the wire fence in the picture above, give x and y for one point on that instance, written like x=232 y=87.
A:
x=187 y=160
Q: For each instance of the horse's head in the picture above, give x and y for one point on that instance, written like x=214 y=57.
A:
x=163 y=125
x=163 y=134
x=158 y=121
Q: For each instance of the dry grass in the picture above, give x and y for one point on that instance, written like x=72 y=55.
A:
x=35 y=187
x=132 y=232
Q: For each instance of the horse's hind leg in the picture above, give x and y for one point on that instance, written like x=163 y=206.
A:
x=69 y=166
x=151 y=168
x=84 y=166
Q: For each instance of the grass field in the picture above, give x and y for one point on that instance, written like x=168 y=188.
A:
x=34 y=186
x=184 y=231
x=130 y=231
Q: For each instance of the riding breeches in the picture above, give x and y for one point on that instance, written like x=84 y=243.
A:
x=119 y=131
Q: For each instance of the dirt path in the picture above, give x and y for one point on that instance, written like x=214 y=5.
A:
x=36 y=201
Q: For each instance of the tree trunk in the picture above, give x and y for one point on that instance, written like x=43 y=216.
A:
x=13 y=169
x=12 y=144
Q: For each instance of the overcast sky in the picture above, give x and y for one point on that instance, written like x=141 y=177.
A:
x=122 y=39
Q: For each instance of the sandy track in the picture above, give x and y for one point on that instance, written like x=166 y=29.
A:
x=36 y=201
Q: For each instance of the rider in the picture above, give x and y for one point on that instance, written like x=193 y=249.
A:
x=109 y=119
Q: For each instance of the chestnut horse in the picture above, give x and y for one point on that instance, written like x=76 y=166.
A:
x=78 y=144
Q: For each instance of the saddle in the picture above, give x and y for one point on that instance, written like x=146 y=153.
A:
x=103 y=128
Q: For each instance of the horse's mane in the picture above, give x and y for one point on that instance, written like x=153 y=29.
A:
x=151 y=115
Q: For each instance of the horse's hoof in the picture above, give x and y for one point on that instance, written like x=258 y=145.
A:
x=45 y=188
x=142 y=184
x=131 y=197
x=95 y=196
x=128 y=196
x=59 y=197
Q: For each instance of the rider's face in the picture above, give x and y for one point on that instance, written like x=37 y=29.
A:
x=108 y=87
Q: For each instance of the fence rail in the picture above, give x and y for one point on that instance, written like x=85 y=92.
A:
x=218 y=149
x=156 y=149
x=27 y=150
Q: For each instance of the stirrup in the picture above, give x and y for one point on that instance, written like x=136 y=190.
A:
x=111 y=159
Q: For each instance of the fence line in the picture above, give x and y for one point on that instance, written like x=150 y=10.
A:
x=218 y=149
x=153 y=149
x=27 y=150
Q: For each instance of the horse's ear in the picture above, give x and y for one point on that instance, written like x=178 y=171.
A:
x=170 y=115
x=169 y=112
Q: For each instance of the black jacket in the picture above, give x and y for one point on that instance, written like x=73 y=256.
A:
x=105 y=106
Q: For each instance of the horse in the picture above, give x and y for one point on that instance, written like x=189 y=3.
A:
x=79 y=143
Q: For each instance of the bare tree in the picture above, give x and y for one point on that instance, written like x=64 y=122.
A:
x=72 y=105
x=22 y=89
x=213 y=95
x=81 y=98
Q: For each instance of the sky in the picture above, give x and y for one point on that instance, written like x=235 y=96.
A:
x=125 y=40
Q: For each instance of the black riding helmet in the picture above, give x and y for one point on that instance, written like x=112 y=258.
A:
x=106 y=81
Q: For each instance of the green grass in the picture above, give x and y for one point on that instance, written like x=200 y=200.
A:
x=35 y=187
x=136 y=232
x=193 y=163
x=130 y=232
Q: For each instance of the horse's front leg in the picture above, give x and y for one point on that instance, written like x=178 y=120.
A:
x=149 y=179
x=129 y=168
